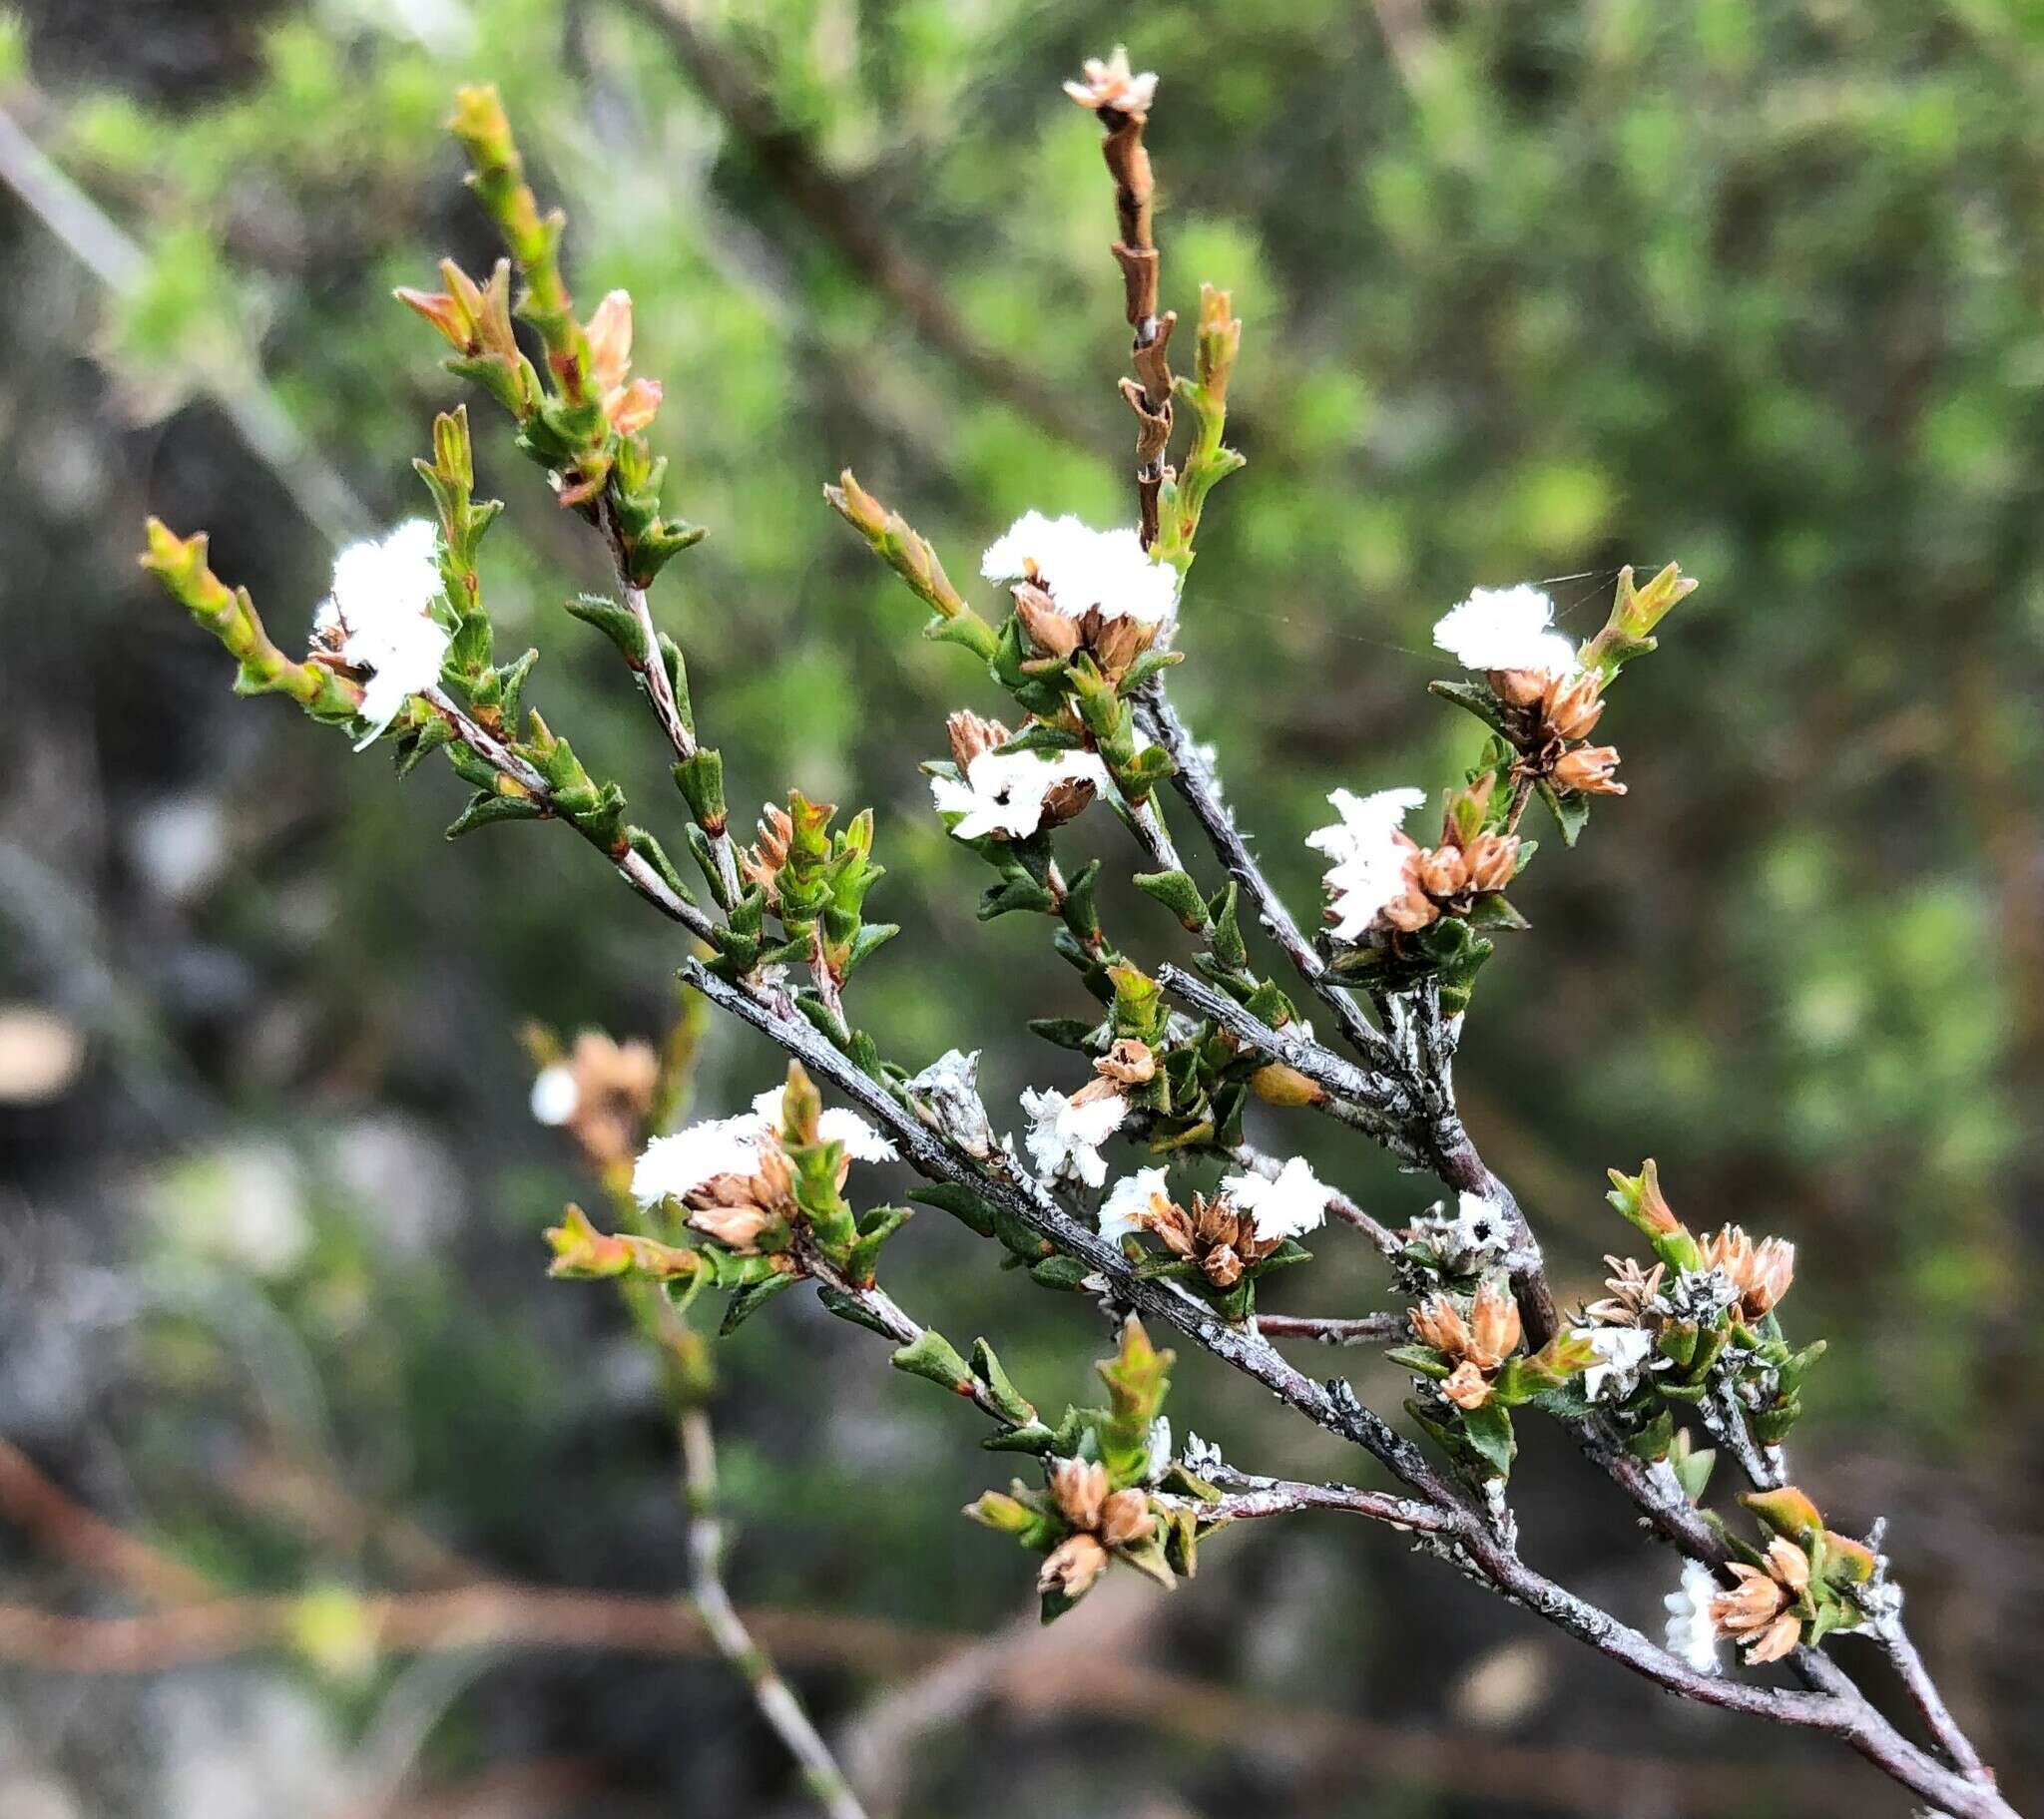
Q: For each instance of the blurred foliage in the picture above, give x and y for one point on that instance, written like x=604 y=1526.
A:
x=1529 y=292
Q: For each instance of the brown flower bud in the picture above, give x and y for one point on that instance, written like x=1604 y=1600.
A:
x=1222 y=1267
x=1442 y=872
x=1065 y=799
x=1412 y=909
x=1587 y=768
x=737 y=1228
x=1438 y=1322
x=1788 y=1564
x=1492 y=862
x=1125 y=1517
x=1128 y=1063
x=1079 y=1488
x=1116 y=643
x=1466 y=1386
x=1072 y=1566
x=1494 y=1328
x=1574 y=707
x=1518 y=687
x=760 y=862
x=972 y=737
x=1778 y=1639
x=1751 y=1605
x=1049 y=630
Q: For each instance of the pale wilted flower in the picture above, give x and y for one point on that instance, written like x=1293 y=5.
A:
x=838 y=1124
x=1756 y=1613
x=1289 y=1206
x=378 y=618
x=1369 y=854
x=674 y=1168
x=1085 y=571
x=1692 y=1632
x=1009 y=795
x=1065 y=1133
x=1506 y=631
x=1111 y=87
x=1632 y=1295
x=601 y=1093
x=1134 y=1203
x=1622 y=1353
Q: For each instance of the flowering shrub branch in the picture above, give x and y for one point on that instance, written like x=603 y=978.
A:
x=1185 y=1031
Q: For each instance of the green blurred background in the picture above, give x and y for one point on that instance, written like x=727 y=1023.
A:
x=1530 y=290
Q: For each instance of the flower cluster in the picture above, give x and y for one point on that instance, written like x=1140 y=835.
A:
x=1384 y=881
x=737 y=1177
x=1802 y=1582
x=1010 y=795
x=1475 y=1346
x=601 y=1092
x=1228 y=1236
x=378 y=620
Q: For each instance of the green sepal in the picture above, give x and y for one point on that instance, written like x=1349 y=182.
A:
x=1066 y=1031
x=1225 y=942
x=959 y=1201
x=655 y=855
x=871 y=938
x=1152 y=662
x=1031 y=1437
x=851 y=1307
x=1493 y=912
x=1421 y=1358
x=430 y=737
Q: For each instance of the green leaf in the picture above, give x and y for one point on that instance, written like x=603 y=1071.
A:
x=1571 y=810
x=1476 y=699
x=754 y=1296
x=987 y=1368
x=1059 y=1273
x=1489 y=1432
x=933 y=1356
x=1179 y=894
x=484 y=810
x=959 y=1201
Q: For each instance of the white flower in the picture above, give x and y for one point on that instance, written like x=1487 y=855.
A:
x=1369 y=858
x=380 y=613
x=1128 y=1197
x=1003 y=792
x=1506 y=628
x=1065 y=1135
x=1691 y=1633
x=1081 y=569
x=1479 y=1226
x=1622 y=1353
x=862 y=1144
x=1295 y=1203
x=675 y=1167
x=555 y=1094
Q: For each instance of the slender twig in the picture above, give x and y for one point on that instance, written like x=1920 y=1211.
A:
x=775 y=1699
x=1469 y=1540
x=1358 y=1329
x=1196 y=782
x=74 y=1533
